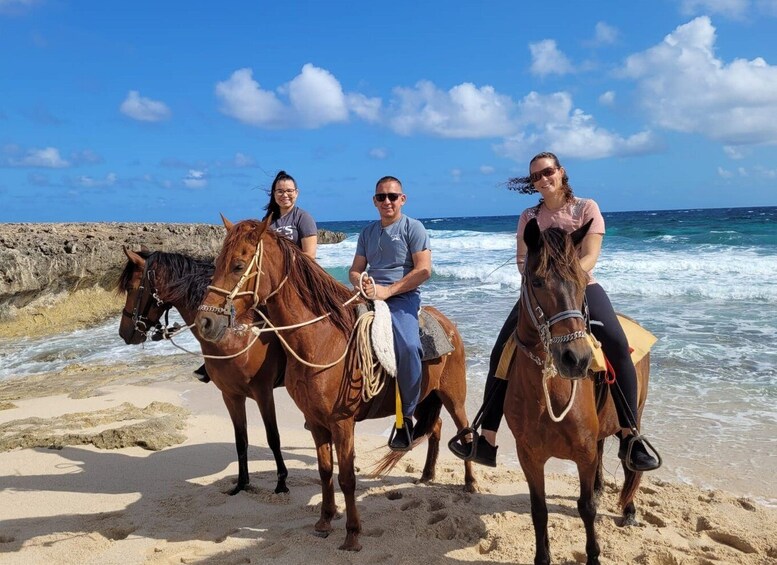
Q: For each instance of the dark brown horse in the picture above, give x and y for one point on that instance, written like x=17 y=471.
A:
x=551 y=327
x=297 y=290
x=156 y=282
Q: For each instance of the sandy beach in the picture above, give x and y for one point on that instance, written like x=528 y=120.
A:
x=130 y=464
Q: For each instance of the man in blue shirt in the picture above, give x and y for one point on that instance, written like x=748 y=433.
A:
x=396 y=253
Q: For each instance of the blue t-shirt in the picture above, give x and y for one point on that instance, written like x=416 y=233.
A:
x=389 y=251
x=295 y=225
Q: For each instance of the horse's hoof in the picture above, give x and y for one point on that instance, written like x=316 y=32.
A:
x=280 y=489
x=237 y=489
x=628 y=520
x=471 y=488
x=322 y=533
x=351 y=546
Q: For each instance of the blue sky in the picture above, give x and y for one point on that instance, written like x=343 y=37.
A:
x=173 y=111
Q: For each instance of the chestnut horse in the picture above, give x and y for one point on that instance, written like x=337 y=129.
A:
x=156 y=282
x=550 y=331
x=296 y=290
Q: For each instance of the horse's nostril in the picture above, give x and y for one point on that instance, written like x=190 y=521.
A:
x=569 y=358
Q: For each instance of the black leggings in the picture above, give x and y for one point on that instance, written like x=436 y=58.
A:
x=614 y=345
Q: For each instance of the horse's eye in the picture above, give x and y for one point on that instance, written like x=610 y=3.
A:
x=537 y=283
x=238 y=267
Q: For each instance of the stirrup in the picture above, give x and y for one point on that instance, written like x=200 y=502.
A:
x=649 y=448
x=458 y=440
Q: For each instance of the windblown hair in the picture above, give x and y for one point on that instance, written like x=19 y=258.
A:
x=525 y=186
x=318 y=289
x=558 y=256
x=272 y=208
x=179 y=278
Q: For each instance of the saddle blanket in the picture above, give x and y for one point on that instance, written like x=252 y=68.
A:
x=640 y=341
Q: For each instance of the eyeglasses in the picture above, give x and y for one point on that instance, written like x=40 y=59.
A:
x=392 y=196
x=534 y=177
x=285 y=192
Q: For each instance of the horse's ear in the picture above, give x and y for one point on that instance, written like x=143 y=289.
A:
x=265 y=224
x=580 y=233
x=531 y=235
x=144 y=248
x=227 y=223
x=135 y=258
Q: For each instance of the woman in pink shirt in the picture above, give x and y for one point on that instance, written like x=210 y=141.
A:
x=559 y=207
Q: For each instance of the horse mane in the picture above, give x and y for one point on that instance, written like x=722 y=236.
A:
x=322 y=293
x=187 y=277
x=557 y=255
x=122 y=285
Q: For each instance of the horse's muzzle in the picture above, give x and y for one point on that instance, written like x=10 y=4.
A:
x=572 y=361
x=211 y=327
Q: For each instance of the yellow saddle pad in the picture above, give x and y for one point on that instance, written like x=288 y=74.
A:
x=640 y=341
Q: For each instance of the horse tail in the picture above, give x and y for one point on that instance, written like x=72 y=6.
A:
x=427 y=413
x=630 y=486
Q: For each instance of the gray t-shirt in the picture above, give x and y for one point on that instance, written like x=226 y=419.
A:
x=389 y=251
x=295 y=225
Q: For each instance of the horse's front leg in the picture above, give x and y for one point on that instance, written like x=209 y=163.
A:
x=347 y=479
x=266 y=402
x=236 y=406
x=586 y=506
x=323 y=440
x=535 y=477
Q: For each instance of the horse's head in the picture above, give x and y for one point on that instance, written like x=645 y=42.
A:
x=143 y=308
x=553 y=289
x=245 y=275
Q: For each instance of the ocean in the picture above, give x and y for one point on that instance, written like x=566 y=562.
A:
x=704 y=281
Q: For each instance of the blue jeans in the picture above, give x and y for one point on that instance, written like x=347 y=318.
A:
x=407 y=347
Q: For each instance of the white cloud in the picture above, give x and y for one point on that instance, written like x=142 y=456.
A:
x=242 y=160
x=456 y=175
x=144 y=109
x=551 y=123
x=379 y=153
x=607 y=98
x=90 y=182
x=605 y=34
x=547 y=59
x=730 y=8
x=734 y=152
x=684 y=87
x=15 y=7
x=195 y=179
x=315 y=99
x=487 y=169
x=464 y=111
x=724 y=173
x=48 y=158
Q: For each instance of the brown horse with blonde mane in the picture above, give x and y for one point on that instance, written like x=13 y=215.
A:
x=154 y=283
x=550 y=336
x=295 y=290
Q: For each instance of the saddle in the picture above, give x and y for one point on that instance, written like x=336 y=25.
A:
x=640 y=341
x=434 y=341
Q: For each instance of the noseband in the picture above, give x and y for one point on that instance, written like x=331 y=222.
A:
x=543 y=324
x=254 y=269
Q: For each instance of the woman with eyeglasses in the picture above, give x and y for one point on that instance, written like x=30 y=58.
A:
x=290 y=220
x=559 y=207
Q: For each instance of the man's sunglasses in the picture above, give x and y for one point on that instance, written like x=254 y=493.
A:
x=534 y=177
x=392 y=196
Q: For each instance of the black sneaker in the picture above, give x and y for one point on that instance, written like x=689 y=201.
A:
x=402 y=439
x=636 y=457
x=201 y=374
x=485 y=453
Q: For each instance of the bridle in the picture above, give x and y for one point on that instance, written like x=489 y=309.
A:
x=543 y=324
x=254 y=269
x=140 y=320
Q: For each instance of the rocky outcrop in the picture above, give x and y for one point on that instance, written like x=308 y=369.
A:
x=41 y=259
